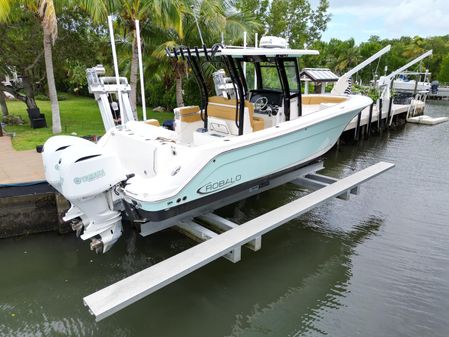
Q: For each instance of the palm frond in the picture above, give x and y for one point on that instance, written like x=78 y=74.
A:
x=159 y=52
x=97 y=9
x=5 y=9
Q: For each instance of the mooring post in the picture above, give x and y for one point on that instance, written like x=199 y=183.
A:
x=379 y=118
x=390 y=105
x=370 y=118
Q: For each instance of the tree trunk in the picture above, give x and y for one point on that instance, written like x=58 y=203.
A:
x=28 y=99
x=179 y=73
x=133 y=76
x=179 y=98
x=56 y=118
x=3 y=105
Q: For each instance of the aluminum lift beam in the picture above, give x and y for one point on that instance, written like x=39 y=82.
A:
x=102 y=87
x=119 y=295
x=343 y=82
x=368 y=61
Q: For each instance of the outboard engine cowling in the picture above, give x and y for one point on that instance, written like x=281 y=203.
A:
x=87 y=171
x=88 y=176
x=51 y=156
x=52 y=151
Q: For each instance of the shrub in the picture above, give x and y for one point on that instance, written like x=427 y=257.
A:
x=61 y=97
x=13 y=120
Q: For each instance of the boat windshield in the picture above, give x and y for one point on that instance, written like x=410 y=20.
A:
x=250 y=71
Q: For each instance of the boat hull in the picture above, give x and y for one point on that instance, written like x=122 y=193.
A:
x=249 y=166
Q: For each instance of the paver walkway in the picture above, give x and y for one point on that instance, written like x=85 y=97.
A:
x=19 y=166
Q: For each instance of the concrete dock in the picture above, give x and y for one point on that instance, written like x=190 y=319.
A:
x=396 y=109
x=370 y=118
x=28 y=204
x=17 y=167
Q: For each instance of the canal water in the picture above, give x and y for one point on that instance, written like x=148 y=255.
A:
x=377 y=265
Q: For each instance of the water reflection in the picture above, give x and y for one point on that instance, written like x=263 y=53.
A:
x=302 y=268
x=318 y=277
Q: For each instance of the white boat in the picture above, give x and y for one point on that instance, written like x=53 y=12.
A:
x=405 y=85
x=149 y=174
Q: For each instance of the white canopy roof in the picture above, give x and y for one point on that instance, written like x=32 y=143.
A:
x=269 y=52
x=240 y=52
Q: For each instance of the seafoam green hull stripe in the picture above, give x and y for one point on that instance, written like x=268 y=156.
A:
x=257 y=160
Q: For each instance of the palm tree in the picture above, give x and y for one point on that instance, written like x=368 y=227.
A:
x=45 y=10
x=214 y=17
x=348 y=56
x=415 y=48
x=162 y=13
x=47 y=15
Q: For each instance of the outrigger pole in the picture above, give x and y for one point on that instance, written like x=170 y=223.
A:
x=117 y=77
x=142 y=84
x=197 y=24
x=256 y=42
x=244 y=47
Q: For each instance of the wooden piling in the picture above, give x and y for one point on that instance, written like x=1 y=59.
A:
x=390 y=105
x=370 y=118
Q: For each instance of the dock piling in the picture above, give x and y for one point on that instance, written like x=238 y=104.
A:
x=389 y=119
x=379 y=117
x=357 y=129
x=370 y=118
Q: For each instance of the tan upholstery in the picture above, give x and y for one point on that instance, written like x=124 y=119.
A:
x=321 y=99
x=190 y=114
x=153 y=122
x=258 y=124
x=224 y=108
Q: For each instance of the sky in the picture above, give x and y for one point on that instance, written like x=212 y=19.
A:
x=386 y=18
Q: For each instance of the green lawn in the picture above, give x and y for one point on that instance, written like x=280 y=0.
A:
x=78 y=114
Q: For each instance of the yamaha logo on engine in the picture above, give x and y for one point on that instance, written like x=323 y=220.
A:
x=90 y=177
x=218 y=185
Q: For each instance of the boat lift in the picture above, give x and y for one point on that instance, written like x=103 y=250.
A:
x=223 y=238
x=386 y=82
x=343 y=85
